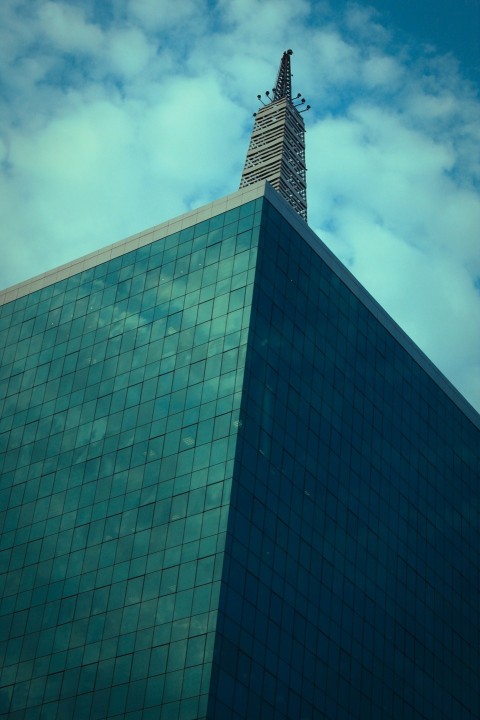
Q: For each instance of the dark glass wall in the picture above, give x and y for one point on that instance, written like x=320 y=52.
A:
x=120 y=390
x=351 y=576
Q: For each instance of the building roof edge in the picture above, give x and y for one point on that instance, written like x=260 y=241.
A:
x=347 y=277
x=132 y=242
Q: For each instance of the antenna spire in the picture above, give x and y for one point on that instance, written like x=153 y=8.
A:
x=277 y=145
x=283 y=86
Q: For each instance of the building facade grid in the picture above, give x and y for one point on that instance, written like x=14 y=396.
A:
x=120 y=402
x=230 y=487
x=351 y=572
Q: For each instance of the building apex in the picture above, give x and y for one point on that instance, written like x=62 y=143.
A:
x=283 y=86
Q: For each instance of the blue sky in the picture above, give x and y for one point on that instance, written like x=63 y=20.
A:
x=116 y=116
x=451 y=26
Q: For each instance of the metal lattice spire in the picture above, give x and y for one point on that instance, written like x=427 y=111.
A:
x=277 y=146
x=283 y=86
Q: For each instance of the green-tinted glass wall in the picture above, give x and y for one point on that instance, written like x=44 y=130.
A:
x=120 y=393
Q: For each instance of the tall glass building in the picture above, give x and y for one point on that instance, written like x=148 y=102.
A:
x=231 y=487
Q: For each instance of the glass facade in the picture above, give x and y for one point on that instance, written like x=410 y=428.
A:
x=351 y=577
x=121 y=390
x=228 y=491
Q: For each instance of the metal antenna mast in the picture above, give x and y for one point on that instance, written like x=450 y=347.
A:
x=283 y=86
x=277 y=146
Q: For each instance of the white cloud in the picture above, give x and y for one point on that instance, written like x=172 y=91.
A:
x=334 y=58
x=66 y=27
x=189 y=110
x=380 y=70
x=121 y=115
x=162 y=16
x=129 y=52
x=263 y=18
x=363 y=23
